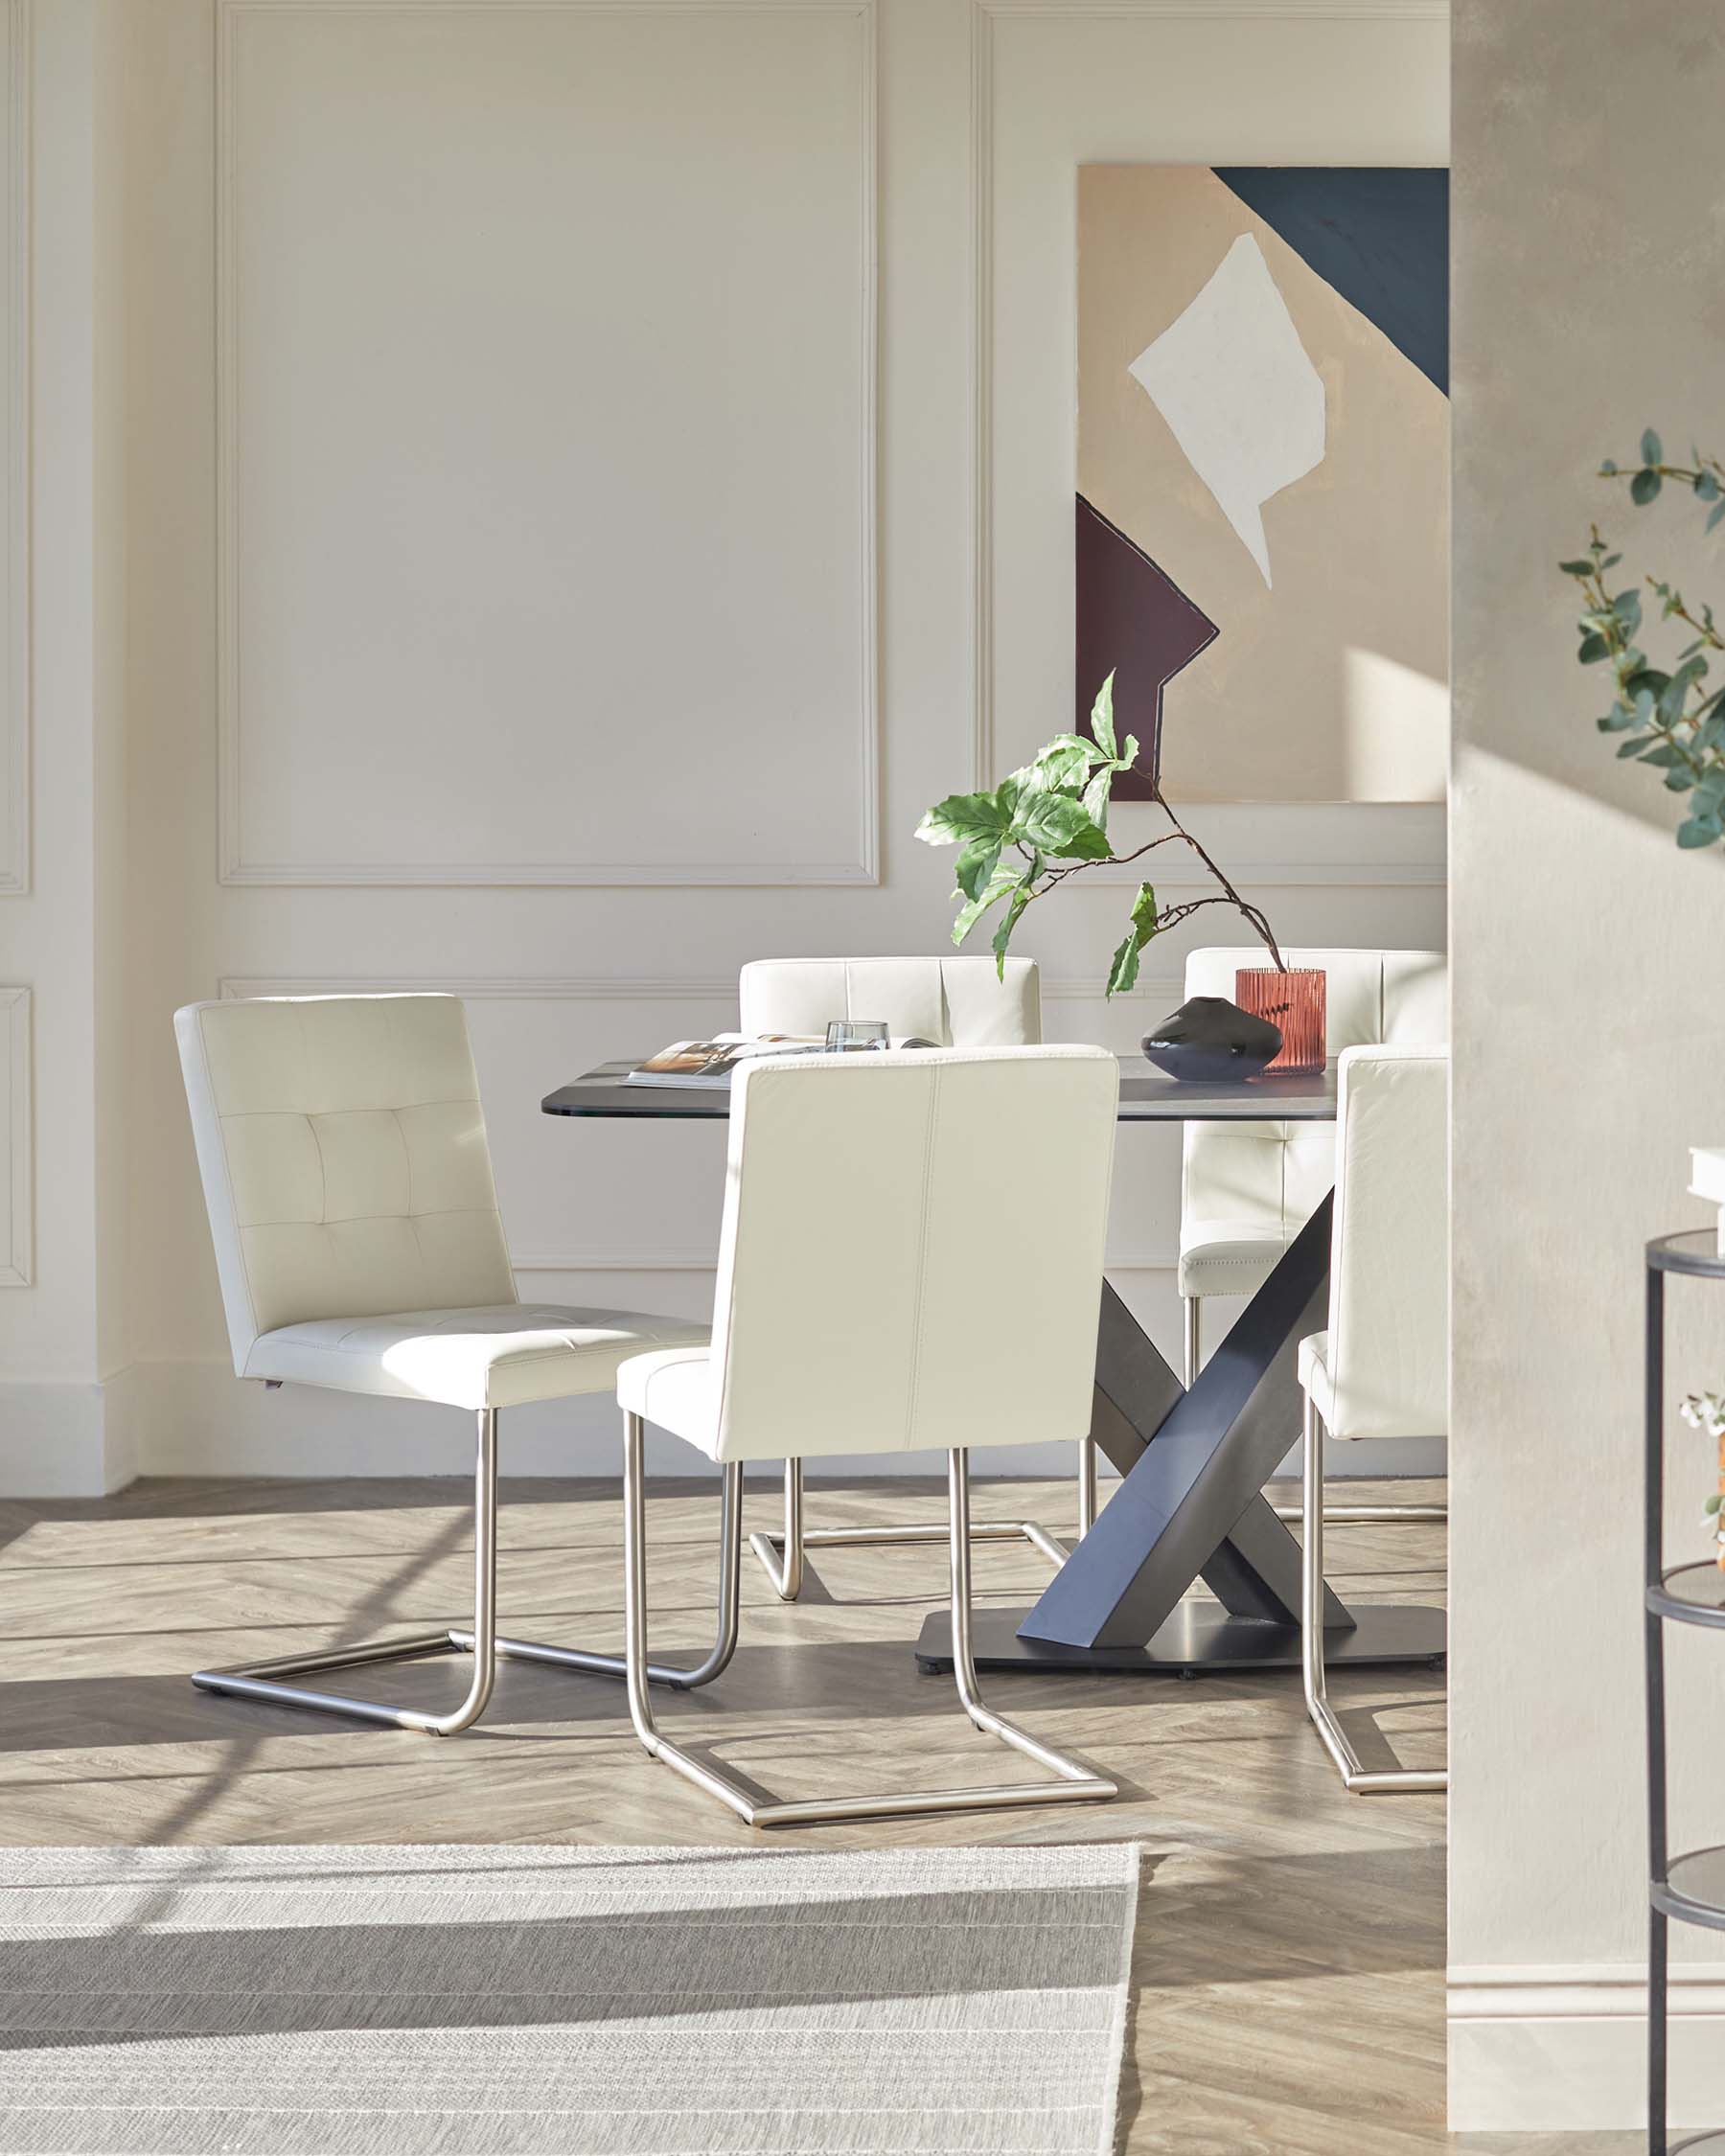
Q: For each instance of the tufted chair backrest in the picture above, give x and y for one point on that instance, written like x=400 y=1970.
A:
x=877 y=1278
x=342 y=1150
x=954 y=1002
x=1276 y=1175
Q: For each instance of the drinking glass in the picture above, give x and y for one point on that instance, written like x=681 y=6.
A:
x=846 y=1034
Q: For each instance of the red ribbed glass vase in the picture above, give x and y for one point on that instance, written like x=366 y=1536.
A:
x=1294 y=1001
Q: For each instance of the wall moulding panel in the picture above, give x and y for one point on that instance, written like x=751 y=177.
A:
x=17 y=1179
x=14 y=521
x=503 y=599
x=1257 y=875
x=524 y=988
x=1054 y=86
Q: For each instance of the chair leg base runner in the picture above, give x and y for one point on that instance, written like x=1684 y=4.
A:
x=1355 y=1777
x=268 y=1679
x=1074 y=1782
x=1356 y=1780
x=902 y=1804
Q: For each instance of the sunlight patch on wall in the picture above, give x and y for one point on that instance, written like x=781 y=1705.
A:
x=1396 y=730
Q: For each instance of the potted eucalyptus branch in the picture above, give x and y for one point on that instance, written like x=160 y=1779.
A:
x=1670 y=720
x=1047 y=823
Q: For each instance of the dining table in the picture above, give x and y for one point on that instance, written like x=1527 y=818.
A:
x=1190 y=1510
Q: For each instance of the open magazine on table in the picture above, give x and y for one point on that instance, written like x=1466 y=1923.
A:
x=709 y=1064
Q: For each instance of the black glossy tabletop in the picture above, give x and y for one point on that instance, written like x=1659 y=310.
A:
x=1146 y=1096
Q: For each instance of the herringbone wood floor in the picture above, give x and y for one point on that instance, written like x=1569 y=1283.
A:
x=1290 y=1950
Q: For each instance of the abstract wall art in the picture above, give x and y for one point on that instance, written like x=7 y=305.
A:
x=1262 y=541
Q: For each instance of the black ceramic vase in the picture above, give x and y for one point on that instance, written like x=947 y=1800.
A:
x=1209 y=1038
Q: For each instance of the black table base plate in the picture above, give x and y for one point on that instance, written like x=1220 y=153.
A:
x=1200 y=1638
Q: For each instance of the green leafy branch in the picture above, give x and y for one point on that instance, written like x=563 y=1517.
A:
x=1704 y=476
x=1048 y=823
x=1669 y=719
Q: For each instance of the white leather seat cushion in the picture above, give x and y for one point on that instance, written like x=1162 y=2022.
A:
x=1317 y=1379
x=1229 y=1257
x=675 y=1389
x=499 y=1355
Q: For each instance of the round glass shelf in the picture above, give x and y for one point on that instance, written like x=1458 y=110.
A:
x=1695 y=1251
x=1703 y=2145
x=1694 y=1888
x=1692 y=1594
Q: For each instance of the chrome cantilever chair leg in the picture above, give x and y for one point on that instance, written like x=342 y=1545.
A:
x=1076 y=1782
x=1354 y=1775
x=268 y=1679
x=782 y=1556
x=1336 y=1514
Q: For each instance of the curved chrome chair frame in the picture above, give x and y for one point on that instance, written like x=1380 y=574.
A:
x=1076 y=1783
x=268 y=1679
x=1355 y=1776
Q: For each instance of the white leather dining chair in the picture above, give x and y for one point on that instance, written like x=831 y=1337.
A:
x=956 y=1003
x=1246 y=1189
x=342 y=1150
x=861 y=1308
x=1381 y=1367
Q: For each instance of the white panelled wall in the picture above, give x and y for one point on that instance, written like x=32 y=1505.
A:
x=594 y=472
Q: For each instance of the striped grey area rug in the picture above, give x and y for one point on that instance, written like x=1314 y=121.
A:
x=562 y=2002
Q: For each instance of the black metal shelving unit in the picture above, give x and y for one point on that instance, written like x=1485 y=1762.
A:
x=1690 y=1886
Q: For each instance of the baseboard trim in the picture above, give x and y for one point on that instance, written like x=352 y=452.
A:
x=1562 y=2048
